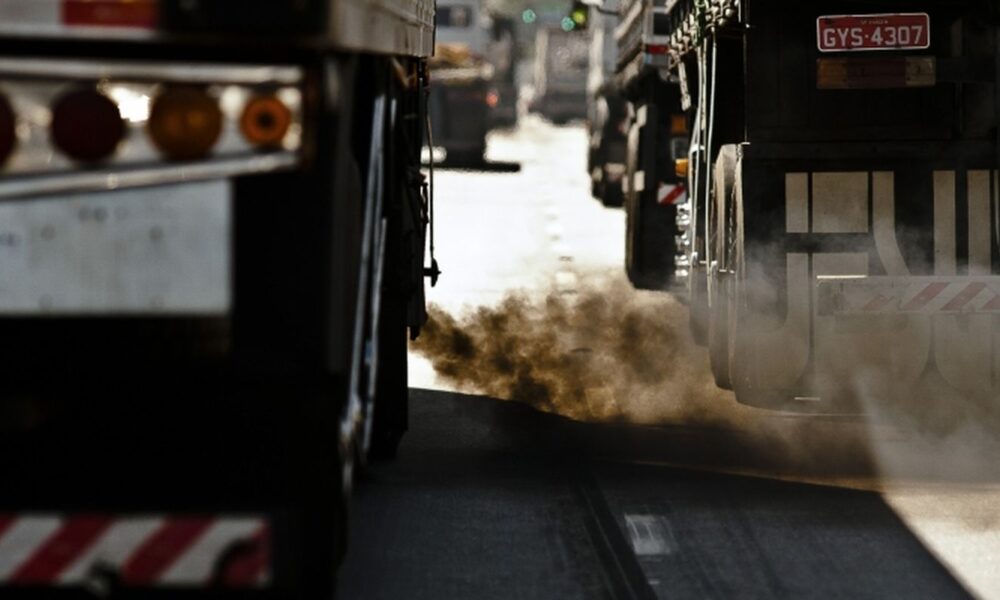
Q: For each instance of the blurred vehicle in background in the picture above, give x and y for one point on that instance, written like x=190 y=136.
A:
x=463 y=81
x=561 y=64
x=657 y=136
x=503 y=55
x=212 y=225
x=607 y=109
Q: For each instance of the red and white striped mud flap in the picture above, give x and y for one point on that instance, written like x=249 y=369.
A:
x=669 y=194
x=858 y=296
x=169 y=551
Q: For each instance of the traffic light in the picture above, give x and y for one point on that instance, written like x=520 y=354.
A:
x=578 y=18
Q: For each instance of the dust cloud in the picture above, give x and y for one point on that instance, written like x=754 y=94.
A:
x=605 y=354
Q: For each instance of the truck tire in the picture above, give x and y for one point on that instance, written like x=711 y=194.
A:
x=719 y=277
x=390 y=412
x=390 y=416
x=749 y=391
x=593 y=162
x=611 y=193
x=651 y=228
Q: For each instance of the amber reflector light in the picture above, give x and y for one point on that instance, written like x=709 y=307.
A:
x=185 y=123
x=86 y=126
x=7 y=133
x=265 y=121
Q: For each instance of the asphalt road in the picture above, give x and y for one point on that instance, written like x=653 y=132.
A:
x=491 y=499
x=670 y=489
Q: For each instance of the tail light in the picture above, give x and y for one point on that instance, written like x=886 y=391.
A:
x=86 y=126
x=678 y=125
x=265 y=121
x=492 y=99
x=681 y=168
x=876 y=73
x=185 y=123
x=7 y=130
x=61 y=132
x=111 y=13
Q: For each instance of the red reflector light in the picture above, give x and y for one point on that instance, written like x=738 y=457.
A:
x=86 y=126
x=870 y=73
x=492 y=99
x=111 y=13
x=7 y=131
x=657 y=49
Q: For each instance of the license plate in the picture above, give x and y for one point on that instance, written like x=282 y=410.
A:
x=160 y=250
x=854 y=33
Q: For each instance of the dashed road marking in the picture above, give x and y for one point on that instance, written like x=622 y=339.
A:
x=566 y=280
x=562 y=249
x=650 y=535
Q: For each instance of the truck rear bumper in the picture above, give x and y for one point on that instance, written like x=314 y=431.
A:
x=103 y=552
x=871 y=296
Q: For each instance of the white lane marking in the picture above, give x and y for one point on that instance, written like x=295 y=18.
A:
x=196 y=565
x=562 y=249
x=566 y=280
x=113 y=548
x=650 y=535
x=23 y=539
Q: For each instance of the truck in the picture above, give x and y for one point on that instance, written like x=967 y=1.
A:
x=560 y=74
x=503 y=55
x=607 y=109
x=839 y=239
x=655 y=196
x=463 y=80
x=213 y=223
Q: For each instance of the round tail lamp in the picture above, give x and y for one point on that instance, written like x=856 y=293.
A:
x=86 y=126
x=185 y=123
x=8 y=137
x=265 y=121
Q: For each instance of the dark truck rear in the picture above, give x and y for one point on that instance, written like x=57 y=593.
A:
x=463 y=79
x=212 y=223
x=841 y=242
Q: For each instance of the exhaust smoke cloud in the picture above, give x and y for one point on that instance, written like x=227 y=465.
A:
x=610 y=354
x=606 y=354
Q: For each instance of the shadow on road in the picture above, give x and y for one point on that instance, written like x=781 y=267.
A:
x=485 y=166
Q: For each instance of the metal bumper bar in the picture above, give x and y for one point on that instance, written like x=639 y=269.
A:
x=860 y=296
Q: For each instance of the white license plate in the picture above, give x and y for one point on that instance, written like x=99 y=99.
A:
x=856 y=33
x=158 y=250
